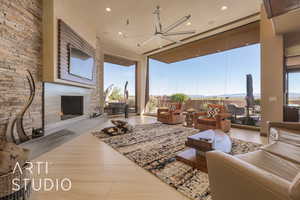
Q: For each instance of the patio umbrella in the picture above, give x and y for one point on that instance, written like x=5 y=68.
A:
x=249 y=96
x=126 y=95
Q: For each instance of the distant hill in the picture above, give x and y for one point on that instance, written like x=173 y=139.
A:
x=294 y=95
x=240 y=95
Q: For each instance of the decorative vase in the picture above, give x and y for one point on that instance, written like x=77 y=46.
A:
x=7 y=188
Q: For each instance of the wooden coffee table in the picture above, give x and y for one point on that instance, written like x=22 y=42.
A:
x=201 y=143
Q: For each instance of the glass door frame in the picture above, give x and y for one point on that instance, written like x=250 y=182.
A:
x=135 y=82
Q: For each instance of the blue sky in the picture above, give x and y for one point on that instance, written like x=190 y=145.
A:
x=118 y=75
x=215 y=74
x=294 y=82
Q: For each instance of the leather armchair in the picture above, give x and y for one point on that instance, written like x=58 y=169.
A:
x=202 y=122
x=171 y=114
x=271 y=173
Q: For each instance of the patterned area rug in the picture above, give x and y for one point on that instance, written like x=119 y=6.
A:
x=154 y=147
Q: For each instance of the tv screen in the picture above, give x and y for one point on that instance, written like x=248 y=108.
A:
x=81 y=64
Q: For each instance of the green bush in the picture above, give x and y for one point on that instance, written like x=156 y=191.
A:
x=116 y=95
x=179 y=98
x=257 y=102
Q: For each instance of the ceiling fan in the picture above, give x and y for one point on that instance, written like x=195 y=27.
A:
x=165 y=33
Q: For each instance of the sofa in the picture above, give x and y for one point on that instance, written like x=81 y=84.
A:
x=271 y=173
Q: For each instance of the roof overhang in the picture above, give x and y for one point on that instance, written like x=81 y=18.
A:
x=118 y=60
x=238 y=37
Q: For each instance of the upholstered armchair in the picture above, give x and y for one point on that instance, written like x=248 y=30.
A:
x=270 y=173
x=215 y=118
x=171 y=114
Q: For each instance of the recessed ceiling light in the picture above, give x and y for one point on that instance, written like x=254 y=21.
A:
x=224 y=8
x=108 y=9
x=120 y=33
x=189 y=23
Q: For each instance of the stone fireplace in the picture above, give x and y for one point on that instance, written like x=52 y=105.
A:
x=71 y=107
x=64 y=105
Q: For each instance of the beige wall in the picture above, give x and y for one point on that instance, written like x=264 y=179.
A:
x=69 y=12
x=85 y=25
x=142 y=73
x=271 y=73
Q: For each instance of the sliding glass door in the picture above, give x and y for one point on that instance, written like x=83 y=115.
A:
x=219 y=78
x=115 y=79
x=292 y=107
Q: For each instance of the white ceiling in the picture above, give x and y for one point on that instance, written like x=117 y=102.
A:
x=206 y=14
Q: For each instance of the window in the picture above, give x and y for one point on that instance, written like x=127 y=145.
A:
x=294 y=89
x=117 y=76
x=219 y=78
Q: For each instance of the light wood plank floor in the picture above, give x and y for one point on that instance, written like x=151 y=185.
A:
x=99 y=172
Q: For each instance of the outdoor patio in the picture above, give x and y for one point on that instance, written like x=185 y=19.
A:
x=237 y=107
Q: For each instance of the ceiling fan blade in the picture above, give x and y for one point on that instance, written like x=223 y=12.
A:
x=170 y=39
x=179 y=33
x=158 y=26
x=146 y=41
x=176 y=24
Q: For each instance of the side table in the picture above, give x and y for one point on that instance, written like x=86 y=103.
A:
x=189 y=117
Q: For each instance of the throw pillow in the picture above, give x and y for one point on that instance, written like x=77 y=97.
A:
x=173 y=107
x=212 y=112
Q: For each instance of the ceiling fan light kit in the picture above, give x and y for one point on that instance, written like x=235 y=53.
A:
x=165 y=33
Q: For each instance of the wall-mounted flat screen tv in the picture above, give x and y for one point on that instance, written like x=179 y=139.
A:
x=81 y=64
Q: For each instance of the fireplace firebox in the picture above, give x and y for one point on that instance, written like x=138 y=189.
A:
x=71 y=107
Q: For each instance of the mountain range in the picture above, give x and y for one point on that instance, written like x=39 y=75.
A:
x=238 y=95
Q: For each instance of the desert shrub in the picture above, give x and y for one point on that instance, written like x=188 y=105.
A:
x=116 y=95
x=179 y=98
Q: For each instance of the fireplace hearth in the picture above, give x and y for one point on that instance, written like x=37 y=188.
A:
x=71 y=107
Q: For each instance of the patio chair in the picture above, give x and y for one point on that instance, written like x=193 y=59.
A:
x=171 y=114
x=215 y=118
x=234 y=110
